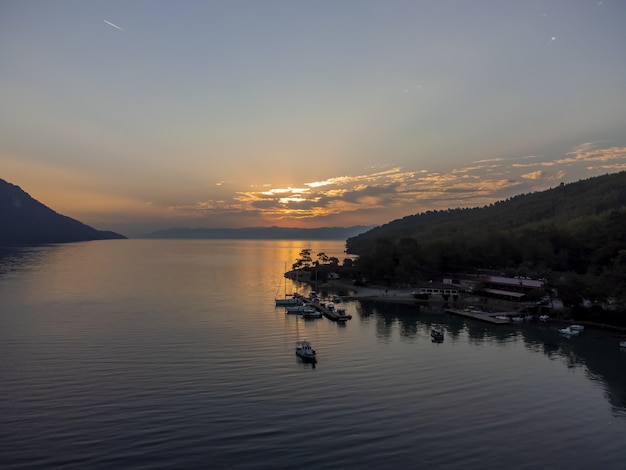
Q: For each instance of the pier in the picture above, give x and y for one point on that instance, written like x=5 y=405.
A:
x=489 y=317
x=328 y=312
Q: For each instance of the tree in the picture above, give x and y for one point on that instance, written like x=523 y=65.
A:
x=323 y=258
x=571 y=289
x=304 y=261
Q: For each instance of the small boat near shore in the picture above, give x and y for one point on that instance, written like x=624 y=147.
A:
x=437 y=333
x=341 y=315
x=299 y=309
x=311 y=313
x=568 y=331
x=288 y=301
x=305 y=351
x=622 y=344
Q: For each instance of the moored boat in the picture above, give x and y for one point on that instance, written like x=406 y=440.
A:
x=568 y=331
x=622 y=344
x=576 y=327
x=299 y=309
x=544 y=317
x=342 y=315
x=287 y=301
x=311 y=313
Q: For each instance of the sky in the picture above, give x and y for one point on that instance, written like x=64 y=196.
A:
x=142 y=115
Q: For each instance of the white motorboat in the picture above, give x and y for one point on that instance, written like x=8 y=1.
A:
x=622 y=344
x=544 y=317
x=517 y=319
x=576 y=327
x=568 y=331
x=304 y=350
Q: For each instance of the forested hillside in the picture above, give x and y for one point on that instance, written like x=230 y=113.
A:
x=574 y=235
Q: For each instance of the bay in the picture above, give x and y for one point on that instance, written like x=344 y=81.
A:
x=171 y=353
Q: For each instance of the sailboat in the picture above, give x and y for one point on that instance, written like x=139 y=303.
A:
x=287 y=300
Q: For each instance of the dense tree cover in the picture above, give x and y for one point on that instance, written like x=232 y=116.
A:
x=574 y=235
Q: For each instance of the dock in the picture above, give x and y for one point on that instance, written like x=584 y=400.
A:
x=489 y=317
x=329 y=313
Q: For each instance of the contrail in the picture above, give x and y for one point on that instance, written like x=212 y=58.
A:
x=114 y=25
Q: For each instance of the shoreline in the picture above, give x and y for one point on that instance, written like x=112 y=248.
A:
x=405 y=296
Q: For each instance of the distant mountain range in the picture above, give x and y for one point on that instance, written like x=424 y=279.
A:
x=24 y=221
x=262 y=233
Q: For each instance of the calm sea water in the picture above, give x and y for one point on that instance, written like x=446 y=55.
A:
x=171 y=354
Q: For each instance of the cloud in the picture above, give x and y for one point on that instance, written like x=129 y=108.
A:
x=590 y=152
x=386 y=194
x=535 y=175
x=489 y=160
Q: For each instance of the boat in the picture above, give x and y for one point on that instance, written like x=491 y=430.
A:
x=437 y=333
x=503 y=317
x=568 y=331
x=576 y=327
x=299 y=309
x=517 y=319
x=622 y=344
x=341 y=314
x=311 y=313
x=544 y=317
x=288 y=299
x=304 y=350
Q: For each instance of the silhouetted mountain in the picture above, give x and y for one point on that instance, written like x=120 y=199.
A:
x=262 y=233
x=24 y=220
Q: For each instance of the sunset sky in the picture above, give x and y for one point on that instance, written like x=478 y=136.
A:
x=141 y=115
